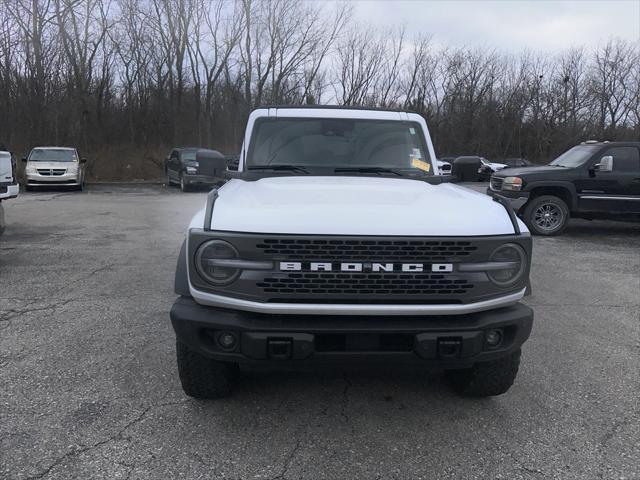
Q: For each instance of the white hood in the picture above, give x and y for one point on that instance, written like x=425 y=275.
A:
x=355 y=206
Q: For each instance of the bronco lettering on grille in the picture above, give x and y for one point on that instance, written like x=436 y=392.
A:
x=364 y=267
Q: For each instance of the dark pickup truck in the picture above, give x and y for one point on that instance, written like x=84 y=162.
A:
x=195 y=166
x=591 y=180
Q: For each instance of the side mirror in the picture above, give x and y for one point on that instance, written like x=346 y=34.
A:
x=83 y=160
x=212 y=163
x=605 y=165
x=465 y=169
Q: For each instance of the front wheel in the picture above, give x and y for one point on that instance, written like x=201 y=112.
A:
x=546 y=215
x=486 y=379
x=203 y=377
x=184 y=186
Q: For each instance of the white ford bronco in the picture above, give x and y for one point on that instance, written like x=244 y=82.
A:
x=336 y=241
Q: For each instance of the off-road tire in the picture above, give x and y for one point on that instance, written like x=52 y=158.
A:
x=485 y=379
x=546 y=201
x=203 y=377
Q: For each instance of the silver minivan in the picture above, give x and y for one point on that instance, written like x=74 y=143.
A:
x=49 y=166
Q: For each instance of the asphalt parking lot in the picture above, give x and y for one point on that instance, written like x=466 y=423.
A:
x=89 y=387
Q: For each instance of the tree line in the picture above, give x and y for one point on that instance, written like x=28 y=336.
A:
x=124 y=80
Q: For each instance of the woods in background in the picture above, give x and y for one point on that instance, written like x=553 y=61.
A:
x=124 y=80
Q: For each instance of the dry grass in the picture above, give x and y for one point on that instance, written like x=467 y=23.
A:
x=126 y=163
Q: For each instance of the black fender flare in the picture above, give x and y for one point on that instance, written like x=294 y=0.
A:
x=181 y=281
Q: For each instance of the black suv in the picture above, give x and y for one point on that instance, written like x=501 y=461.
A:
x=191 y=166
x=591 y=180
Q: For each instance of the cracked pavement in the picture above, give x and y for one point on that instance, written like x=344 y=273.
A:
x=89 y=386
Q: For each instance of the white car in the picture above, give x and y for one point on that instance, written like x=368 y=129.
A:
x=336 y=240
x=443 y=167
x=489 y=168
x=54 y=166
x=8 y=183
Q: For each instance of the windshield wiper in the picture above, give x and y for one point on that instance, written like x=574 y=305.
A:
x=369 y=170
x=289 y=168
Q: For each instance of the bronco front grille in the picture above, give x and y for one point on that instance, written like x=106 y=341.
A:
x=334 y=284
x=352 y=249
x=365 y=284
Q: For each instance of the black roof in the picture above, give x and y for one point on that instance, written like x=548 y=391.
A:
x=337 y=107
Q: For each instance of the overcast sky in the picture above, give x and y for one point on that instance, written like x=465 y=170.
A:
x=508 y=24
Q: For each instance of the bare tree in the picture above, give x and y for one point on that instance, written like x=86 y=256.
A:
x=129 y=78
x=359 y=57
x=610 y=81
x=82 y=27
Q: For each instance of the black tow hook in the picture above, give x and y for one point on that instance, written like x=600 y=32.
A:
x=279 y=349
x=449 y=347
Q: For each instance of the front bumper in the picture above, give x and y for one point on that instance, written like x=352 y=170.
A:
x=190 y=179
x=9 y=191
x=443 y=341
x=66 y=179
x=516 y=199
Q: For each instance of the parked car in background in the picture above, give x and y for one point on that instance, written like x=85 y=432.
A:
x=591 y=180
x=184 y=168
x=8 y=184
x=54 y=166
x=444 y=167
x=233 y=161
x=488 y=168
x=8 y=176
x=517 y=162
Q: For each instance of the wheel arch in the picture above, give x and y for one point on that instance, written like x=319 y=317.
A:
x=566 y=191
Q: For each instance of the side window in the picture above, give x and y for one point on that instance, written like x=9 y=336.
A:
x=625 y=159
x=174 y=155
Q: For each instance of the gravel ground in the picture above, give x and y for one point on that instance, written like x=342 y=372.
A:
x=89 y=387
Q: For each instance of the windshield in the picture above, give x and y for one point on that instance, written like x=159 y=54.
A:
x=189 y=155
x=52 y=155
x=315 y=143
x=574 y=157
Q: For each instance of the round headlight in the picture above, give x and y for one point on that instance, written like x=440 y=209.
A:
x=515 y=256
x=212 y=271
